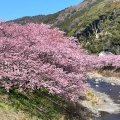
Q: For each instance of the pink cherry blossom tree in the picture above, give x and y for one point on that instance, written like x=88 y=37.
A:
x=37 y=55
x=34 y=56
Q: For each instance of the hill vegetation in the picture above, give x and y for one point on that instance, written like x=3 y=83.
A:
x=96 y=23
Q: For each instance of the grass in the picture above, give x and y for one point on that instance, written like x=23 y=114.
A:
x=9 y=113
x=37 y=105
x=91 y=97
x=29 y=106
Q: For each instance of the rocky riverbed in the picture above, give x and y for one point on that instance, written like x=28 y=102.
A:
x=103 y=96
x=98 y=102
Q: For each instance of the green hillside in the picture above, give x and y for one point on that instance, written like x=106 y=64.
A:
x=38 y=105
x=96 y=24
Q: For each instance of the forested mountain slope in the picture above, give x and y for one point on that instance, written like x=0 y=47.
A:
x=96 y=23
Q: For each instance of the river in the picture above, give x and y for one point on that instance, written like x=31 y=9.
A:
x=113 y=91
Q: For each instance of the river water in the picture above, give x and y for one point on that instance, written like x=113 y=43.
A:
x=113 y=91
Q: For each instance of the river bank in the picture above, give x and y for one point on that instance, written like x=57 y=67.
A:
x=103 y=96
x=100 y=77
x=97 y=102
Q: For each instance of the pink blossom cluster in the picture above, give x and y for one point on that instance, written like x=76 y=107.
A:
x=104 y=61
x=37 y=55
x=111 y=60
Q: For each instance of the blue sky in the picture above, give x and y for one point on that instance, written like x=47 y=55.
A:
x=12 y=9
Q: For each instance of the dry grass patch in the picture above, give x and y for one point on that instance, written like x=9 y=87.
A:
x=95 y=100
